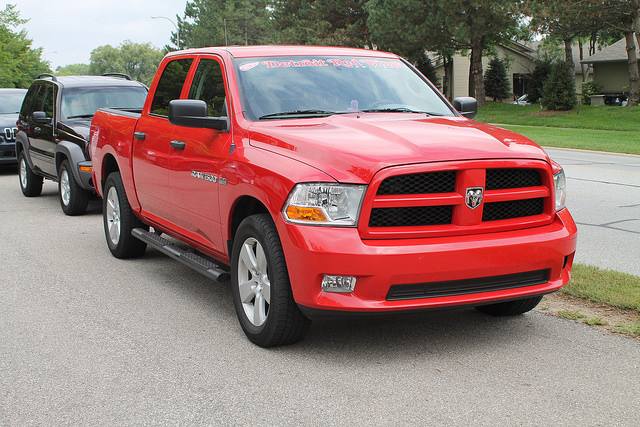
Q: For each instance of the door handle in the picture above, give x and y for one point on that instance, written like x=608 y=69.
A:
x=139 y=135
x=37 y=130
x=178 y=145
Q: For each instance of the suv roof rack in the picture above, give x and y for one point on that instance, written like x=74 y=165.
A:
x=124 y=76
x=47 y=75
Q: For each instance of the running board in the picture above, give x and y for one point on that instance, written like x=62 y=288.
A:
x=190 y=259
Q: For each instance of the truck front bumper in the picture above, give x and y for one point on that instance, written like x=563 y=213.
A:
x=426 y=264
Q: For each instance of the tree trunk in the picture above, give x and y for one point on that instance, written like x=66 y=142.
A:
x=476 y=84
x=568 y=54
x=446 y=80
x=632 y=61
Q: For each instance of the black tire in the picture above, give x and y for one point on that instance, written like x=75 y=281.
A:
x=73 y=198
x=30 y=183
x=510 y=308
x=267 y=320
x=119 y=220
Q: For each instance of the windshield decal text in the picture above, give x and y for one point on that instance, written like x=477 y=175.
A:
x=335 y=62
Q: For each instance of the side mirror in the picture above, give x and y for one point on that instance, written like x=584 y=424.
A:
x=466 y=106
x=40 y=117
x=193 y=113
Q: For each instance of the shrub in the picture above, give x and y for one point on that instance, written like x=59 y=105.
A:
x=496 y=82
x=559 y=90
x=588 y=89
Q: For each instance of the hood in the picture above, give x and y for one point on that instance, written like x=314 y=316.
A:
x=77 y=127
x=353 y=147
x=8 y=120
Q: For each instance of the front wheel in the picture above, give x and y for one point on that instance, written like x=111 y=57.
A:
x=119 y=220
x=262 y=293
x=510 y=308
x=30 y=183
x=73 y=198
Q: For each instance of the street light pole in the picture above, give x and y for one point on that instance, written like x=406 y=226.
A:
x=174 y=24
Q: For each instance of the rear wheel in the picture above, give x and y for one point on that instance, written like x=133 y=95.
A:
x=30 y=183
x=119 y=220
x=262 y=294
x=510 y=308
x=73 y=198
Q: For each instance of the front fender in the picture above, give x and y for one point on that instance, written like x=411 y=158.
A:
x=77 y=158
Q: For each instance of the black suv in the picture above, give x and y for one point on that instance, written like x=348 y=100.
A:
x=10 y=101
x=53 y=131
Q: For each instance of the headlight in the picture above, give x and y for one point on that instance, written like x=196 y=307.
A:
x=325 y=204
x=560 y=183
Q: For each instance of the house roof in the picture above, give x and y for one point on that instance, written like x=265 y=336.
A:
x=614 y=53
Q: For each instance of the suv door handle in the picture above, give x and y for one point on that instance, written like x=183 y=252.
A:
x=139 y=135
x=178 y=145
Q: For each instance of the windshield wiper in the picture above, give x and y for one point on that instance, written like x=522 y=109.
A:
x=398 y=110
x=314 y=113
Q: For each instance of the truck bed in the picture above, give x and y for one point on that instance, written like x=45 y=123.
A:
x=112 y=134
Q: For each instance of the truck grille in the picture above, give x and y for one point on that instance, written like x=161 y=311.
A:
x=425 y=203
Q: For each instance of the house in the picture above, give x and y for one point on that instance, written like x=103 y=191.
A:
x=519 y=58
x=610 y=67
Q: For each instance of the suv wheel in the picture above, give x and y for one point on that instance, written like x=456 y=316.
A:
x=73 y=198
x=262 y=294
x=30 y=183
x=119 y=220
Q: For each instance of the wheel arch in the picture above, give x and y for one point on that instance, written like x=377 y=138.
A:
x=66 y=150
x=109 y=165
x=244 y=207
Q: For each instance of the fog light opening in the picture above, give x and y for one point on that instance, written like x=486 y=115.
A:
x=340 y=284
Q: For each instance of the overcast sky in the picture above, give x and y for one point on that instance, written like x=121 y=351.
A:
x=69 y=30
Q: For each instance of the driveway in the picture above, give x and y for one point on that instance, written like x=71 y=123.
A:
x=87 y=339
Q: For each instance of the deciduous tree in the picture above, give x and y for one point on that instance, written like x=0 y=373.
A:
x=139 y=60
x=20 y=63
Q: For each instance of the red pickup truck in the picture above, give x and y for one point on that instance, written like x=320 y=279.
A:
x=330 y=180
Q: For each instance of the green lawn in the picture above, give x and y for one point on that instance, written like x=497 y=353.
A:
x=601 y=128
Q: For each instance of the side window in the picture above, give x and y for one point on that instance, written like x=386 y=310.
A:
x=28 y=101
x=170 y=85
x=49 y=102
x=38 y=102
x=208 y=86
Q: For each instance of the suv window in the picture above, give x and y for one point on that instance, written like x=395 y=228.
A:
x=28 y=100
x=170 y=85
x=44 y=100
x=208 y=86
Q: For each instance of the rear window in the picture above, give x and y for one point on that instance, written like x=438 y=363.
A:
x=83 y=102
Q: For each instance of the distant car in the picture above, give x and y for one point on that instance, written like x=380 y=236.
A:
x=53 y=131
x=10 y=102
x=523 y=100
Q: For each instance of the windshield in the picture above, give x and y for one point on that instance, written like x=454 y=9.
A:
x=294 y=87
x=84 y=102
x=10 y=103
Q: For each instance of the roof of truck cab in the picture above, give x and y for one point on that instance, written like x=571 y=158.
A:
x=92 y=81
x=261 y=51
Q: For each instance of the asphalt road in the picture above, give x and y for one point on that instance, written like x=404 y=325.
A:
x=86 y=339
x=604 y=199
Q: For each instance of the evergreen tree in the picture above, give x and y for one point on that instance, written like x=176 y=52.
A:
x=496 y=82
x=538 y=77
x=425 y=66
x=559 y=90
x=225 y=23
